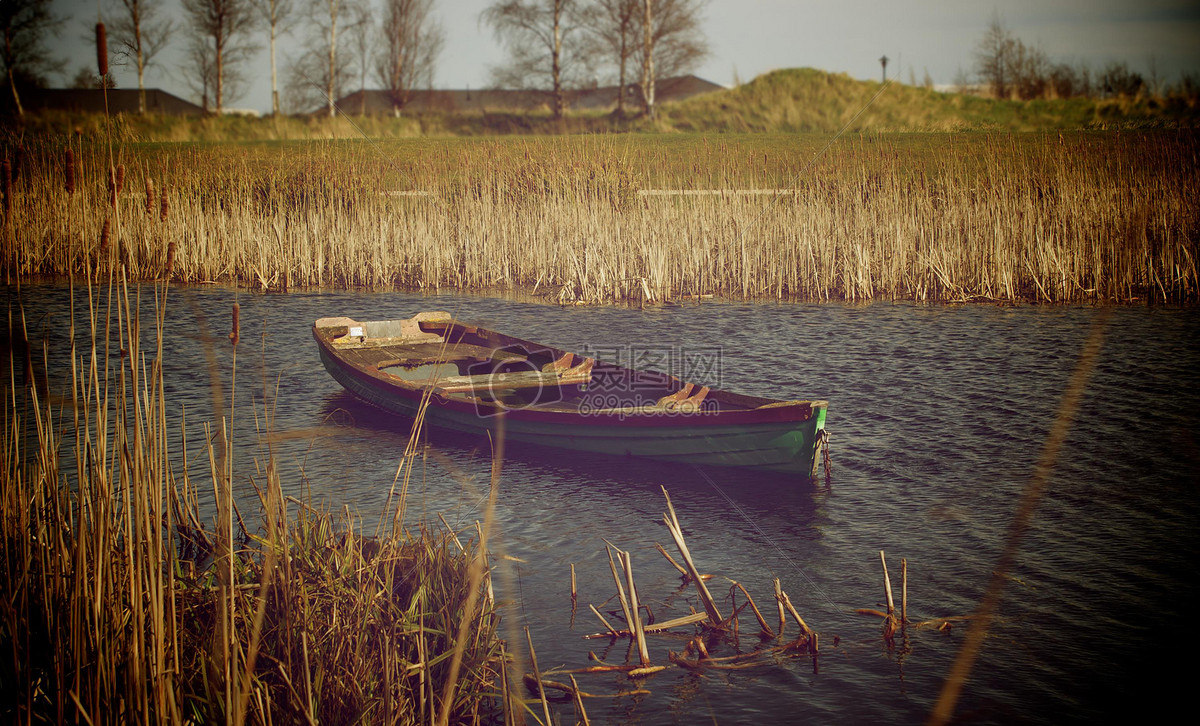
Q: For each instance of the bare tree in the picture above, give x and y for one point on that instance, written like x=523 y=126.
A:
x=318 y=73
x=305 y=86
x=222 y=26
x=538 y=35
x=278 y=15
x=1012 y=69
x=86 y=77
x=202 y=70
x=412 y=40
x=362 y=42
x=993 y=58
x=1118 y=81
x=648 y=76
x=1029 y=71
x=24 y=24
x=612 y=27
x=673 y=42
x=141 y=32
x=332 y=85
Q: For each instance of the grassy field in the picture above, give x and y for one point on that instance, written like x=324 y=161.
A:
x=600 y=218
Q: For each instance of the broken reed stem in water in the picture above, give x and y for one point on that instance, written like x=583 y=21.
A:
x=787 y=603
x=620 y=588
x=583 y=717
x=887 y=584
x=537 y=675
x=710 y=605
x=682 y=570
x=639 y=635
x=762 y=622
x=779 y=605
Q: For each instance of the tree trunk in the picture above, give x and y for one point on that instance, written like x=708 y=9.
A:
x=395 y=93
x=648 y=59
x=141 y=84
x=621 y=77
x=274 y=84
x=141 y=63
x=332 y=56
x=220 y=46
x=16 y=96
x=556 y=61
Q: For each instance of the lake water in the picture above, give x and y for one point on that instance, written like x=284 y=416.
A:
x=937 y=415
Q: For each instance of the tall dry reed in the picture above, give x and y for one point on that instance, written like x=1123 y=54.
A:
x=123 y=599
x=1086 y=216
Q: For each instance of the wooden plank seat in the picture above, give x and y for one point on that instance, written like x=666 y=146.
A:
x=413 y=355
x=577 y=375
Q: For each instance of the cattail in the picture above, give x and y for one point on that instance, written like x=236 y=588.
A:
x=7 y=181
x=104 y=234
x=101 y=51
x=235 y=335
x=162 y=207
x=120 y=177
x=150 y=197
x=69 y=171
x=170 y=266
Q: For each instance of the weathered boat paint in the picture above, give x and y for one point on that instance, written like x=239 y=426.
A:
x=677 y=422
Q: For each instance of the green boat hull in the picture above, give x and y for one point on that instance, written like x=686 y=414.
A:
x=765 y=442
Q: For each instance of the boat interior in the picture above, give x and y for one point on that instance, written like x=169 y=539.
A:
x=480 y=365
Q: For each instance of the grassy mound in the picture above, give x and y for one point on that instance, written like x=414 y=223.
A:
x=809 y=100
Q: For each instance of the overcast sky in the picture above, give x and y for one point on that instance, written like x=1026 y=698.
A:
x=750 y=37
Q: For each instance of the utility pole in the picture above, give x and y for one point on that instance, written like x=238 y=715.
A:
x=883 y=62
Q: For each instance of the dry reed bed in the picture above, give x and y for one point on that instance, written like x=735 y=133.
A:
x=120 y=602
x=1033 y=217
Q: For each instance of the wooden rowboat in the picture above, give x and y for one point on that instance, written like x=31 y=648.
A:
x=556 y=398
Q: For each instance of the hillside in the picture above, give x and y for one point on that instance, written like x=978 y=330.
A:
x=809 y=100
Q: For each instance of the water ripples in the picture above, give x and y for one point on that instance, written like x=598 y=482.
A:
x=938 y=416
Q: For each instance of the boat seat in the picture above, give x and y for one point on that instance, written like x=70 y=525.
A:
x=384 y=332
x=408 y=331
x=684 y=400
x=390 y=356
x=577 y=375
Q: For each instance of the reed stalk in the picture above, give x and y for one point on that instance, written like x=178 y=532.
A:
x=116 y=577
x=988 y=217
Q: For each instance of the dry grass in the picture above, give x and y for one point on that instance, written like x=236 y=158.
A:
x=120 y=601
x=1083 y=216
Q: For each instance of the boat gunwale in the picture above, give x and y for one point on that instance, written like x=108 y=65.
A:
x=769 y=411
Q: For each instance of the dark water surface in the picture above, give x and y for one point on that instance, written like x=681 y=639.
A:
x=938 y=415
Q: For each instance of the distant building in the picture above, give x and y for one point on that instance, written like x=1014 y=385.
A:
x=91 y=100
x=375 y=102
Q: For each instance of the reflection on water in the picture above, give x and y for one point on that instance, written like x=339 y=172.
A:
x=937 y=414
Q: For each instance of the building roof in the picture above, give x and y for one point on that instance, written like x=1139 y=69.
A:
x=91 y=100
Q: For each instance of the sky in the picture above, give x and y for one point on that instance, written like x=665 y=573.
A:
x=751 y=37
